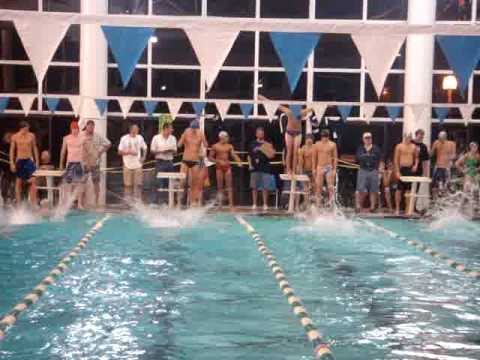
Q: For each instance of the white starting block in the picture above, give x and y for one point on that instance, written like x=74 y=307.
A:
x=49 y=175
x=416 y=181
x=293 y=188
x=173 y=185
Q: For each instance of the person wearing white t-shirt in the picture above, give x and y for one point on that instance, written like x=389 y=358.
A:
x=133 y=150
x=164 y=147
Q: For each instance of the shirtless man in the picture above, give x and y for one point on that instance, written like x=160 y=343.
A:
x=305 y=163
x=24 y=161
x=220 y=154
x=405 y=163
x=325 y=158
x=193 y=139
x=444 y=152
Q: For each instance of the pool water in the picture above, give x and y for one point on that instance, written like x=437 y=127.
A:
x=165 y=285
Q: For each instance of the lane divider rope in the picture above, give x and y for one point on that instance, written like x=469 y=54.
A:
x=427 y=250
x=320 y=348
x=31 y=298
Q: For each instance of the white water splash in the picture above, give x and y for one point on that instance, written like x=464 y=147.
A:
x=327 y=222
x=63 y=208
x=21 y=215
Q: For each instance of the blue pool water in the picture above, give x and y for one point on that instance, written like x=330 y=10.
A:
x=193 y=286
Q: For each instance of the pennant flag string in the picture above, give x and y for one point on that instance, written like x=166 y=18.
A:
x=344 y=111
x=198 y=107
x=394 y=112
x=442 y=113
x=246 y=110
x=150 y=106
x=52 y=103
x=3 y=103
x=102 y=105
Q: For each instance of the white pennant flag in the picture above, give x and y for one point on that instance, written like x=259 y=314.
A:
x=26 y=100
x=467 y=112
x=319 y=109
x=379 y=52
x=368 y=111
x=418 y=110
x=40 y=37
x=174 y=106
x=125 y=105
x=222 y=107
x=212 y=48
x=76 y=103
x=271 y=108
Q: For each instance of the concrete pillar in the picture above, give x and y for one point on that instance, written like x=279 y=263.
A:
x=419 y=67
x=94 y=73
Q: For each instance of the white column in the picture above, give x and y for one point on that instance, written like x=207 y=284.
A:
x=419 y=67
x=94 y=72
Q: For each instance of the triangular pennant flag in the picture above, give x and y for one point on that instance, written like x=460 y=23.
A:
x=368 y=111
x=198 y=107
x=125 y=105
x=52 y=103
x=76 y=104
x=222 y=107
x=344 y=111
x=26 y=100
x=293 y=49
x=40 y=37
x=150 y=106
x=102 y=105
x=442 y=113
x=418 y=110
x=271 y=108
x=379 y=52
x=319 y=109
x=127 y=44
x=393 y=112
x=296 y=111
x=4 y=103
x=206 y=39
x=246 y=110
x=174 y=106
x=462 y=54
x=467 y=112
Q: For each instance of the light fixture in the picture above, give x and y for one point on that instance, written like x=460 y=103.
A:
x=449 y=82
x=163 y=88
x=153 y=39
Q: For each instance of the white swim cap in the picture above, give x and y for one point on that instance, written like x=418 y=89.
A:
x=223 y=134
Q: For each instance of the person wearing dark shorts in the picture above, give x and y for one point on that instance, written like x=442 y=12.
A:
x=423 y=155
x=369 y=157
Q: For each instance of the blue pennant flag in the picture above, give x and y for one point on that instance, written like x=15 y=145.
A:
x=150 y=106
x=102 y=105
x=246 y=110
x=344 y=111
x=296 y=111
x=52 y=103
x=442 y=113
x=199 y=107
x=293 y=49
x=394 y=112
x=462 y=53
x=127 y=44
x=3 y=103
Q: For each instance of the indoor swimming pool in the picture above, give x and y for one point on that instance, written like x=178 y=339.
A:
x=156 y=284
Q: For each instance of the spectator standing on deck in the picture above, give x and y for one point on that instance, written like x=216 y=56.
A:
x=133 y=150
x=444 y=152
x=7 y=178
x=369 y=157
x=423 y=154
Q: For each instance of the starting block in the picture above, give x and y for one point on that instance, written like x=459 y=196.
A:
x=293 y=188
x=416 y=181
x=49 y=176
x=173 y=185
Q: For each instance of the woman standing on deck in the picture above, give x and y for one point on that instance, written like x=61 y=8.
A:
x=469 y=165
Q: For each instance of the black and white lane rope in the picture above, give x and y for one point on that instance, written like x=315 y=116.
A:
x=31 y=298
x=321 y=349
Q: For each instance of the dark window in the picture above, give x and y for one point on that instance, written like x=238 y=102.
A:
x=19 y=5
x=439 y=61
x=233 y=8
x=173 y=47
x=136 y=7
x=242 y=53
x=232 y=85
x=284 y=8
x=442 y=96
x=268 y=55
x=399 y=62
x=11 y=47
x=335 y=9
x=337 y=51
x=62 y=80
x=387 y=9
x=177 y=7
x=61 y=5
x=17 y=79
x=336 y=87
x=176 y=83
x=476 y=89
x=274 y=85
x=454 y=10
x=392 y=91
x=69 y=48
x=137 y=85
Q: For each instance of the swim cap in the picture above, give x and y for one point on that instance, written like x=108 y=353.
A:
x=74 y=125
x=223 y=134
x=195 y=124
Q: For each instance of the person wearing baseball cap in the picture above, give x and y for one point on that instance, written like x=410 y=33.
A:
x=370 y=159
